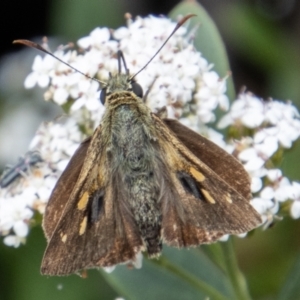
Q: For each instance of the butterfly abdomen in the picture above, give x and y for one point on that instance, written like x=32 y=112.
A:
x=135 y=161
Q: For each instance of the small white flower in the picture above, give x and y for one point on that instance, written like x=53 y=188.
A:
x=274 y=174
x=210 y=95
x=256 y=184
x=267 y=193
x=41 y=70
x=96 y=38
x=254 y=164
x=13 y=241
x=20 y=228
x=282 y=191
x=268 y=147
x=275 y=125
x=265 y=207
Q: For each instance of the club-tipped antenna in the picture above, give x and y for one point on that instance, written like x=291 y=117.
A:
x=39 y=47
x=178 y=25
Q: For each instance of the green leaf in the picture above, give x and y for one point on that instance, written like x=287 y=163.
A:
x=207 y=40
x=21 y=279
x=179 y=274
x=76 y=18
x=291 y=287
x=267 y=48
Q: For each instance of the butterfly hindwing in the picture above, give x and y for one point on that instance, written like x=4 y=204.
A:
x=213 y=156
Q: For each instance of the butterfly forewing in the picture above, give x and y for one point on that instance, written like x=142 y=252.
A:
x=63 y=189
x=94 y=228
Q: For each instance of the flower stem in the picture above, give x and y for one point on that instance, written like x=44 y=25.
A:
x=236 y=277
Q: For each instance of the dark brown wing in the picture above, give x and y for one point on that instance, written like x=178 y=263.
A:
x=204 y=204
x=217 y=159
x=63 y=189
x=95 y=228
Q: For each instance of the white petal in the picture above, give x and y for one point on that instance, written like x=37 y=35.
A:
x=274 y=174
x=254 y=164
x=60 y=96
x=43 y=80
x=268 y=147
x=62 y=164
x=284 y=190
x=84 y=42
x=252 y=119
x=12 y=240
x=93 y=104
x=224 y=238
x=26 y=213
x=285 y=141
x=109 y=269
x=77 y=104
x=247 y=154
x=206 y=116
x=225 y=121
x=223 y=102
x=21 y=229
x=31 y=80
x=259 y=136
x=211 y=78
x=37 y=63
x=242 y=235
x=267 y=193
x=259 y=205
x=121 y=33
x=100 y=35
x=295 y=210
x=256 y=184
x=295 y=192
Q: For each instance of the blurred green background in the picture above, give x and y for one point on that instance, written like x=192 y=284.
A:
x=263 y=46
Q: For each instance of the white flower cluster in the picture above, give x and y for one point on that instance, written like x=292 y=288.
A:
x=178 y=76
x=29 y=190
x=275 y=125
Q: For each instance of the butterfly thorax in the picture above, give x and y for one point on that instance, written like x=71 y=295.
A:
x=134 y=161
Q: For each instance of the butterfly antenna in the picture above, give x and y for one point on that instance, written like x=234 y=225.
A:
x=39 y=47
x=178 y=25
x=122 y=59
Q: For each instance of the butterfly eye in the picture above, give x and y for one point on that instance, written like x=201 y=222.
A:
x=103 y=95
x=137 y=89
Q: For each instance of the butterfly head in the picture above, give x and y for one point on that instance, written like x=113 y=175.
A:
x=120 y=82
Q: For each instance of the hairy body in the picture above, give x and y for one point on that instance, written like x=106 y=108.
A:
x=135 y=160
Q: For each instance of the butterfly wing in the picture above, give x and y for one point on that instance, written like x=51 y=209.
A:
x=213 y=156
x=63 y=189
x=95 y=228
x=205 y=203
